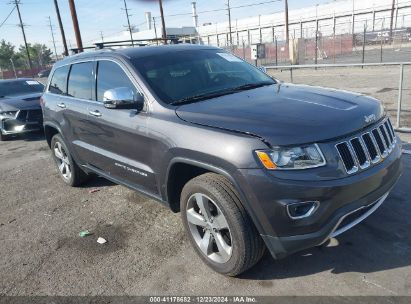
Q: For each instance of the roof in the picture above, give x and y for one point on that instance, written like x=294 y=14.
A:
x=136 y=52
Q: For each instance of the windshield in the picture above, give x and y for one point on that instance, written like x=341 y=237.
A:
x=186 y=76
x=20 y=87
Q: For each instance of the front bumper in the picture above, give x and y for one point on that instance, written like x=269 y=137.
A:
x=21 y=124
x=343 y=203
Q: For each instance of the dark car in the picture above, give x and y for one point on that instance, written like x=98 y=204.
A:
x=251 y=162
x=44 y=73
x=20 y=110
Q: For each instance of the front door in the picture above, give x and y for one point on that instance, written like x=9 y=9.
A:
x=119 y=136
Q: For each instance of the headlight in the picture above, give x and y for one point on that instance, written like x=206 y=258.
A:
x=292 y=158
x=8 y=114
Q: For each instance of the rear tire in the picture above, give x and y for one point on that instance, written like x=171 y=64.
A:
x=218 y=226
x=67 y=168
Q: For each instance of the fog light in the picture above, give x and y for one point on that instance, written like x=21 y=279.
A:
x=301 y=210
x=19 y=128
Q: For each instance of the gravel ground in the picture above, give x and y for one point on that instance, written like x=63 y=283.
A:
x=147 y=252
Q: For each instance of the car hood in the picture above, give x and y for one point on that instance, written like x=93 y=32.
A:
x=22 y=102
x=287 y=114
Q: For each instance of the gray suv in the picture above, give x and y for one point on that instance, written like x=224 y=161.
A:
x=250 y=162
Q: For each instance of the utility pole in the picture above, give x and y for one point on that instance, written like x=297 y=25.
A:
x=101 y=35
x=287 y=34
x=63 y=36
x=16 y=2
x=155 y=29
x=75 y=25
x=160 y=2
x=229 y=22
x=52 y=37
x=128 y=22
x=392 y=18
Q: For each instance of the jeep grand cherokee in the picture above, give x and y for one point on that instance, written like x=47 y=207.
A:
x=250 y=162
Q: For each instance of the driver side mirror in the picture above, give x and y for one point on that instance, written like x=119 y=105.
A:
x=123 y=98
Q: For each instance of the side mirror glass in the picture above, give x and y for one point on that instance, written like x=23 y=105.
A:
x=123 y=98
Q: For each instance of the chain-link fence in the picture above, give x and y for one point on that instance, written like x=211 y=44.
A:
x=330 y=40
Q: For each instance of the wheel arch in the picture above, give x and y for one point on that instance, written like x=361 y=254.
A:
x=173 y=193
x=51 y=129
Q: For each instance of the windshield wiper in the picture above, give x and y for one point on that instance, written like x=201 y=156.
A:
x=250 y=86
x=199 y=97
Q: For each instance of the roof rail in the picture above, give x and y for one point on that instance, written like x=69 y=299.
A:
x=123 y=43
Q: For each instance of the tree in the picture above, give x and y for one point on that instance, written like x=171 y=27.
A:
x=6 y=53
x=40 y=55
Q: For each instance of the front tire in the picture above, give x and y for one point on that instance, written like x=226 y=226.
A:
x=218 y=226
x=67 y=168
x=3 y=137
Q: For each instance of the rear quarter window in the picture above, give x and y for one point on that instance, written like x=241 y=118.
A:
x=58 y=83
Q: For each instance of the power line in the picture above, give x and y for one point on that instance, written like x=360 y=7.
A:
x=4 y=21
x=223 y=9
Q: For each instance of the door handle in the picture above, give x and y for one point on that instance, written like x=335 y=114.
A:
x=61 y=105
x=95 y=113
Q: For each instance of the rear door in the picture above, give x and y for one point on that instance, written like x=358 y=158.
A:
x=119 y=136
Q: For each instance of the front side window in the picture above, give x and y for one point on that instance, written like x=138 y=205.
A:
x=19 y=87
x=185 y=76
x=111 y=76
x=58 y=83
x=80 y=80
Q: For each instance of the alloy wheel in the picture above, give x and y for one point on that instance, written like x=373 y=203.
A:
x=209 y=228
x=63 y=162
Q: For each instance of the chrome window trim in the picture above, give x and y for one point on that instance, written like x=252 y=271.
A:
x=93 y=60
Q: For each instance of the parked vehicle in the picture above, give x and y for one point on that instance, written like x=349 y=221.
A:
x=44 y=73
x=250 y=162
x=20 y=110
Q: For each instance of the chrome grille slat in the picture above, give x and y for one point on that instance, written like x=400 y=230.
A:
x=387 y=128
x=384 y=138
x=359 y=152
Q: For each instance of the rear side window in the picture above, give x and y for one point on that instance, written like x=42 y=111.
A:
x=58 y=83
x=110 y=76
x=80 y=80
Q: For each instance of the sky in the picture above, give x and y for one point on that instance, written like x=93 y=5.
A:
x=109 y=18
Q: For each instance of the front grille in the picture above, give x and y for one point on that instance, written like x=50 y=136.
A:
x=34 y=115
x=361 y=151
x=30 y=115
